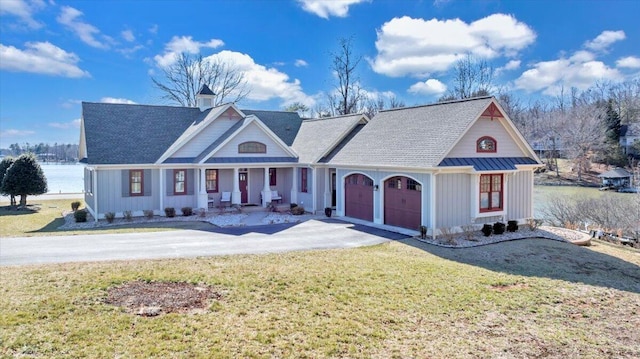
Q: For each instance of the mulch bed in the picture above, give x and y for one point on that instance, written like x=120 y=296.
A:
x=154 y=298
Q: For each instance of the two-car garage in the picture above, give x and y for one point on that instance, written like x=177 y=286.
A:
x=402 y=200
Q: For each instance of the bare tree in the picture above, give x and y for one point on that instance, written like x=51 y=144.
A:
x=298 y=107
x=582 y=132
x=348 y=96
x=183 y=79
x=473 y=77
x=375 y=105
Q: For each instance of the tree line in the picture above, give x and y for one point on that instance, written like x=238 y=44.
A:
x=45 y=152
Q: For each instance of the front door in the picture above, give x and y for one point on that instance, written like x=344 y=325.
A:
x=244 y=188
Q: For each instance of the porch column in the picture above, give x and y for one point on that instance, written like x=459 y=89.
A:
x=94 y=193
x=327 y=187
x=266 y=190
x=294 y=185
x=236 y=195
x=162 y=190
x=203 y=200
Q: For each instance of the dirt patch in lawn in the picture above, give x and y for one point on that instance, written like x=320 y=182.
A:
x=150 y=299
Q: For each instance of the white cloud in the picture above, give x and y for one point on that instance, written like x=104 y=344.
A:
x=128 y=35
x=327 y=8
x=183 y=44
x=66 y=125
x=512 y=65
x=24 y=10
x=41 y=58
x=154 y=29
x=117 y=100
x=429 y=87
x=16 y=133
x=630 y=62
x=604 y=40
x=577 y=71
x=69 y=17
x=418 y=47
x=264 y=83
x=301 y=63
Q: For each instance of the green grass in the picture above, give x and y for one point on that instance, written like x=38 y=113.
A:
x=44 y=218
x=528 y=298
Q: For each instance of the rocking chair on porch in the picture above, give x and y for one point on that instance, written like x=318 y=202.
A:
x=225 y=199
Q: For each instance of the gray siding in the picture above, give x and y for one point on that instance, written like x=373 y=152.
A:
x=496 y=128
x=305 y=199
x=520 y=195
x=453 y=198
x=110 y=193
x=178 y=201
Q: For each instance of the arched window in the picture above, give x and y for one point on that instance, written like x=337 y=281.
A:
x=252 y=147
x=486 y=144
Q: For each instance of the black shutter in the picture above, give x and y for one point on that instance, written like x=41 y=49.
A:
x=170 y=179
x=190 y=181
x=146 y=185
x=125 y=183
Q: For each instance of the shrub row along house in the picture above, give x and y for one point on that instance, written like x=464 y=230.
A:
x=443 y=165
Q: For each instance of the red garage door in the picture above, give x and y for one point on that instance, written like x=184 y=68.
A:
x=402 y=202
x=358 y=197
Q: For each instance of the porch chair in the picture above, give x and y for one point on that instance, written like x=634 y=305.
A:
x=275 y=196
x=226 y=198
x=210 y=201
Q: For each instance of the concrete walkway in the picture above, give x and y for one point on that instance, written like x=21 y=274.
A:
x=308 y=235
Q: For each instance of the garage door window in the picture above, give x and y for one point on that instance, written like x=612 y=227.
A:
x=413 y=185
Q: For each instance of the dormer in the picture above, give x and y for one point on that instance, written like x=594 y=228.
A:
x=204 y=97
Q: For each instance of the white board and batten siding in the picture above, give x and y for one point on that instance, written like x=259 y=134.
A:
x=506 y=145
x=251 y=133
x=203 y=139
x=453 y=196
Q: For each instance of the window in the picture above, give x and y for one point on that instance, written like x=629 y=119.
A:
x=490 y=193
x=486 y=144
x=88 y=184
x=180 y=182
x=303 y=180
x=367 y=181
x=394 y=183
x=252 y=147
x=272 y=177
x=136 y=180
x=211 y=181
x=413 y=185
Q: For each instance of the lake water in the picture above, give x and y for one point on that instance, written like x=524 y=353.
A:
x=542 y=195
x=64 y=178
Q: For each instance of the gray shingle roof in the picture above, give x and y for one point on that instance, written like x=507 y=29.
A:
x=616 y=173
x=133 y=134
x=284 y=124
x=411 y=137
x=317 y=137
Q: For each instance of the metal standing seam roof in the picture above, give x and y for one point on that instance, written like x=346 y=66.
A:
x=488 y=163
x=411 y=137
x=316 y=136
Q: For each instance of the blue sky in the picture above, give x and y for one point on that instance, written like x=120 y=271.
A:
x=55 y=54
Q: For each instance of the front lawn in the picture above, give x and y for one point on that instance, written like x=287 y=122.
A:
x=44 y=218
x=526 y=298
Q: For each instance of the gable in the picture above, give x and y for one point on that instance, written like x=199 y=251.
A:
x=213 y=131
x=507 y=145
x=252 y=132
x=311 y=146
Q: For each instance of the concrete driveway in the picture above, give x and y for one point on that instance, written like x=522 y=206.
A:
x=312 y=234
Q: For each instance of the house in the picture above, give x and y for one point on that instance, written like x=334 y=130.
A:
x=443 y=165
x=628 y=135
x=616 y=178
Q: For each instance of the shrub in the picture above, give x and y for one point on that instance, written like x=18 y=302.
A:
x=512 y=226
x=75 y=205
x=148 y=213
x=293 y=205
x=498 y=228
x=80 y=215
x=423 y=232
x=487 y=229
x=202 y=212
x=297 y=210
x=533 y=223
x=127 y=215
x=469 y=232
x=109 y=216
x=448 y=235
x=187 y=211
x=170 y=212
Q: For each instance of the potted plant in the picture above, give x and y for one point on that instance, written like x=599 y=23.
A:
x=487 y=229
x=423 y=232
x=512 y=226
x=328 y=211
x=498 y=228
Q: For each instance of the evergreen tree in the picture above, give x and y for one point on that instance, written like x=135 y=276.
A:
x=612 y=150
x=24 y=177
x=4 y=166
